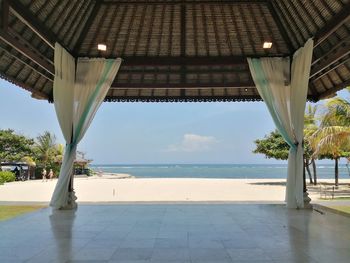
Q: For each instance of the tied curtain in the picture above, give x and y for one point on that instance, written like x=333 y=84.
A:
x=283 y=87
x=79 y=89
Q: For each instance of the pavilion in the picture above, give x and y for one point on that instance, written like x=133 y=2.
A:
x=283 y=52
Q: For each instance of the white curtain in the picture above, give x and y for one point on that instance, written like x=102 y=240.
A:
x=284 y=92
x=301 y=67
x=78 y=90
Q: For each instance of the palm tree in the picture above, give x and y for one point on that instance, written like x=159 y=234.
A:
x=310 y=128
x=29 y=161
x=338 y=112
x=31 y=166
x=45 y=147
x=333 y=137
x=59 y=151
x=310 y=116
x=333 y=141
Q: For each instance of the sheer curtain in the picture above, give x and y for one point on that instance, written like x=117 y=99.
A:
x=79 y=89
x=284 y=91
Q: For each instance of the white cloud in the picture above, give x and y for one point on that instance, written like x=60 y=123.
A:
x=193 y=143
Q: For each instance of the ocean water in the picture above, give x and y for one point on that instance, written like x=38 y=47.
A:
x=253 y=171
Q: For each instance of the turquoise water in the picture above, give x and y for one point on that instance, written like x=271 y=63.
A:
x=253 y=171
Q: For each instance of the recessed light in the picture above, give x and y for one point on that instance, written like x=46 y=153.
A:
x=267 y=45
x=102 y=47
x=246 y=89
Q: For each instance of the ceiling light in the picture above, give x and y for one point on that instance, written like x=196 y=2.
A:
x=245 y=89
x=102 y=47
x=267 y=45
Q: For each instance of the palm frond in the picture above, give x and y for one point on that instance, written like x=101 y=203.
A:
x=330 y=140
x=338 y=113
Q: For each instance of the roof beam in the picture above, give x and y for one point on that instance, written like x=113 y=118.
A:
x=280 y=26
x=312 y=89
x=128 y=85
x=337 y=21
x=86 y=27
x=28 y=44
x=183 y=29
x=340 y=53
x=38 y=70
x=14 y=43
x=183 y=40
x=333 y=67
x=23 y=14
x=187 y=60
x=157 y=70
x=179 y=2
x=266 y=25
x=179 y=61
x=333 y=50
x=4 y=14
x=333 y=90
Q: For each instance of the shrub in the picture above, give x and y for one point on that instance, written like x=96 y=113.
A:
x=6 y=176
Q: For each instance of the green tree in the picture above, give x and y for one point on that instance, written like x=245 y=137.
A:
x=59 y=151
x=310 y=127
x=29 y=160
x=14 y=147
x=46 y=148
x=337 y=112
x=332 y=139
x=272 y=146
x=332 y=143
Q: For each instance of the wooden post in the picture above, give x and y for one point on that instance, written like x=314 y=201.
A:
x=4 y=14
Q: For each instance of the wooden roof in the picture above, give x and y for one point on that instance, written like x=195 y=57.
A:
x=175 y=50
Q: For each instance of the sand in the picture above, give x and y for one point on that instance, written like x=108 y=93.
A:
x=106 y=189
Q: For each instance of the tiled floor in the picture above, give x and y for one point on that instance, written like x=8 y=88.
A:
x=176 y=233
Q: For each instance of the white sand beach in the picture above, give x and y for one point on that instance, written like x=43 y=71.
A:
x=109 y=189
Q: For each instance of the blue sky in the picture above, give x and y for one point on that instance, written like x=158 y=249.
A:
x=133 y=133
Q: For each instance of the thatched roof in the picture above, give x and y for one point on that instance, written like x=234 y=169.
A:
x=175 y=50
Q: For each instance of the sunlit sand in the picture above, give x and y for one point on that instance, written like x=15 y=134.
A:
x=108 y=189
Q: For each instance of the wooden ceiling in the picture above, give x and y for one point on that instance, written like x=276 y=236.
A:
x=175 y=50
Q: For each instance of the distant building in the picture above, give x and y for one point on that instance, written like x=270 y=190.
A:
x=22 y=170
x=81 y=164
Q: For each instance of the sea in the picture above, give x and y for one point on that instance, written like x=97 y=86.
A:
x=248 y=171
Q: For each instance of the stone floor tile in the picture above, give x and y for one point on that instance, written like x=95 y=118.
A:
x=248 y=254
x=205 y=243
x=171 y=243
x=94 y=254
x=243 y=242
x=133 y=254
x=209 y=254
x=129 y=261
x=170 y=254
x=137 y=243
x=161 y=233
x=228 y=260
